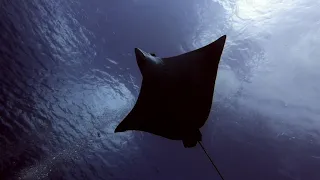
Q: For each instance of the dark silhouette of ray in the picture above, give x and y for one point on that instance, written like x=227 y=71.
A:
x=176 y=93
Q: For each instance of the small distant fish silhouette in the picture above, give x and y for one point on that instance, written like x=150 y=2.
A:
x=176 y=93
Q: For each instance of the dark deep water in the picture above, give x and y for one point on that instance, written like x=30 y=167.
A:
x=68 y=76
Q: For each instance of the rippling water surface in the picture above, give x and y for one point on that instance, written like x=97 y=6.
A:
x=68 y=76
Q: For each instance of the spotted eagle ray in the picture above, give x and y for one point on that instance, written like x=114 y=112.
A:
x=176 y=94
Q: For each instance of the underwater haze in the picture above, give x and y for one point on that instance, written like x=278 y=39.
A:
x=68 y=76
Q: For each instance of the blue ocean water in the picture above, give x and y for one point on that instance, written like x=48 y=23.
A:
x=68 y=76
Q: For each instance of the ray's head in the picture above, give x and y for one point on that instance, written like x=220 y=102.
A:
x=147 y=62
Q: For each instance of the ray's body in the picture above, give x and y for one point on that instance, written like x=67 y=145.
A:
x=176 y=93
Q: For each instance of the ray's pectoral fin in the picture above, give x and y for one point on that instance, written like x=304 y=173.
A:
x=128 y=123
x=220 y=42
x=215 y=50
x=217 y=45
x=121 y=127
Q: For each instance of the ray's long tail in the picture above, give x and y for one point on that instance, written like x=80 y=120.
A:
x=211 y=160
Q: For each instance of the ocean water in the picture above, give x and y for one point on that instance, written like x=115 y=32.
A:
x=68 y=76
